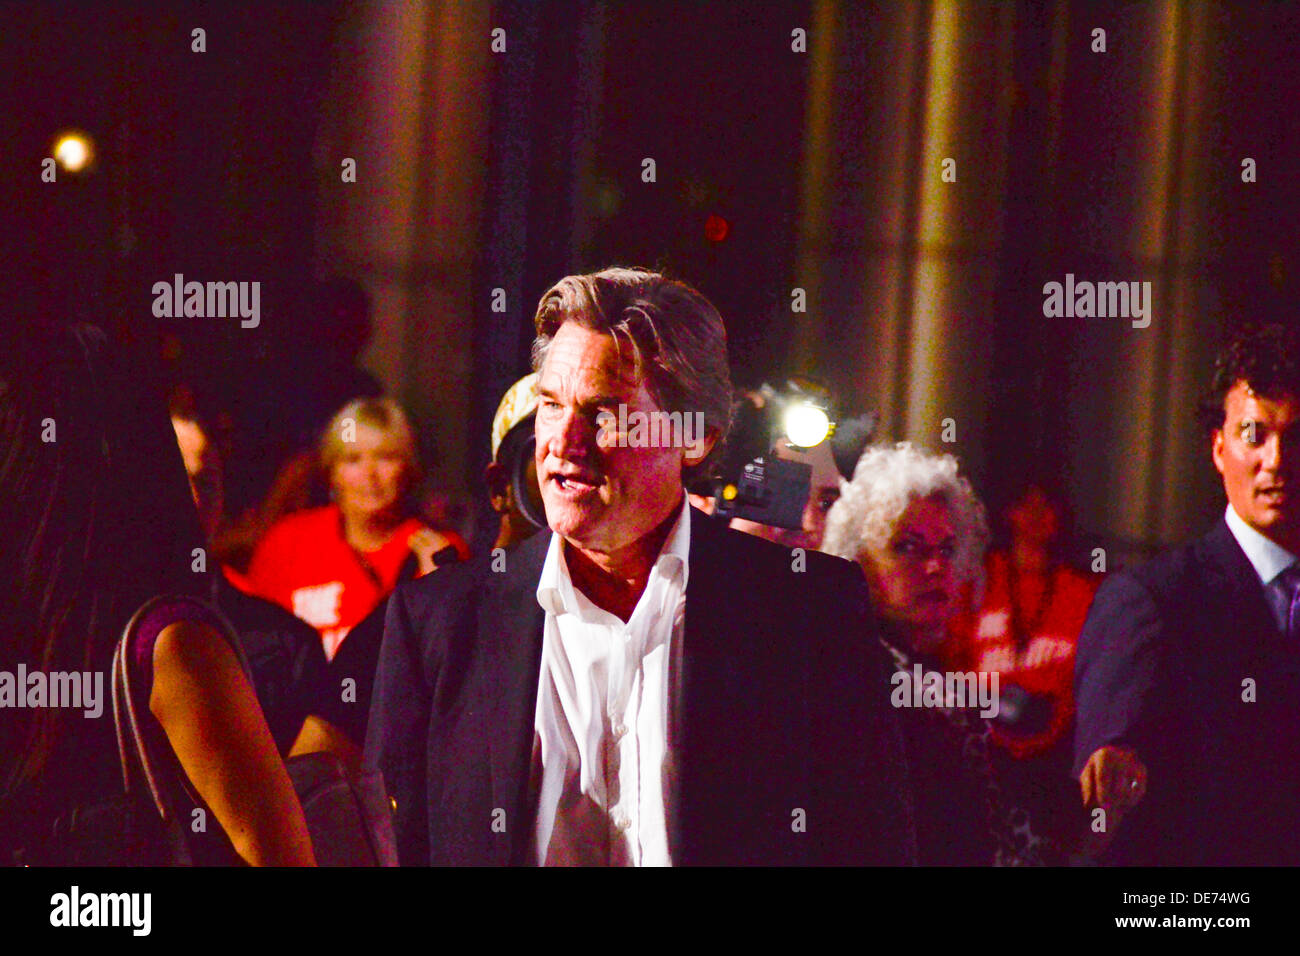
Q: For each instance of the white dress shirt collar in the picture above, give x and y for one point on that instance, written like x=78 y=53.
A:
x=1268 y=558
x=557 y=595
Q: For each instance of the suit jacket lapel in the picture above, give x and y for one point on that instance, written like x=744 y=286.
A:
x=709 y=679
x=1231 y=577
x=510 y=626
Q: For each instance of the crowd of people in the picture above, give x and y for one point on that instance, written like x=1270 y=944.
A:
x=621 y=678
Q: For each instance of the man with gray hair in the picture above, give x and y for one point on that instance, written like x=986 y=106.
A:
x=639 y=686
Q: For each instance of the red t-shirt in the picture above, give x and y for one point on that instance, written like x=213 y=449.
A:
x=305 y=564
x=1044 y=667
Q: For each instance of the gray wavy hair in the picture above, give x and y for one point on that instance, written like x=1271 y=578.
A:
x=885 y=481
x=677 y=339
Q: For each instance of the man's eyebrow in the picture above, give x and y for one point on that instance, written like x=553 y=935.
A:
x=545 y=391
x=1262 y=425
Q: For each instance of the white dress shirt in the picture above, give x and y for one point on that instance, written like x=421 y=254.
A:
x=602 y=750
x=1268 y=558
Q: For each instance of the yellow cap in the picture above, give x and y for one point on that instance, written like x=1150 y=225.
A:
x=519 y=401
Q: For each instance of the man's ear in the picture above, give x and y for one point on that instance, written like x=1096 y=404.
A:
x=494 y=476
x=1216 y=449
x=699 y=449
x=868 y=568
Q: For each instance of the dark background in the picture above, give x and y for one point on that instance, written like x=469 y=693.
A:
x=223 y=165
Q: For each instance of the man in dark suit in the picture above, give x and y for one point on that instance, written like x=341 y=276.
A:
x=641 y=686
x=1187 y=678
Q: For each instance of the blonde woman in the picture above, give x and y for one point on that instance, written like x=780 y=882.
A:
x=332 y=566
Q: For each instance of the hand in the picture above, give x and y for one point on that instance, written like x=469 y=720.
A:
x=425 y=543
x=1114 y=779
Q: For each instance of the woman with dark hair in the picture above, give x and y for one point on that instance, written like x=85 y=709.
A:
x=1026 y=631
x=98 y=521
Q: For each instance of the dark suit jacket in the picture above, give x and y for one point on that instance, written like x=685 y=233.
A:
x=1161 y=667
x=784 y=708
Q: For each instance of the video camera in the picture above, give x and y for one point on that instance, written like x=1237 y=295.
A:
x=754 y=482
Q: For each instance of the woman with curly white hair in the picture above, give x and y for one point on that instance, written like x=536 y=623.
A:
x=919 y=531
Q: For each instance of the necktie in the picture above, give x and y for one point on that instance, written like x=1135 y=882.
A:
x=1289 y=604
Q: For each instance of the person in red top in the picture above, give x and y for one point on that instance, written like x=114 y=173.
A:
x=1026 y=631
x=1027 y=628
x=332 y=566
